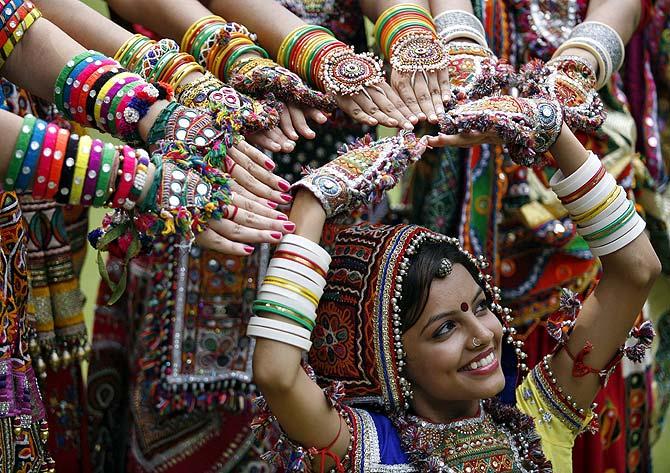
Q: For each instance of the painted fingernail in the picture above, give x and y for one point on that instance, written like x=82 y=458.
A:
x=248 y=249
x=272 y=205
x=286 y=197
x=269 y=164
x=275 y=235
x=289 y=226
x=282 y=217
x=283 y=185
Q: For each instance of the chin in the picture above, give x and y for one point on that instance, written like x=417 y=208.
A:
x=489 y=386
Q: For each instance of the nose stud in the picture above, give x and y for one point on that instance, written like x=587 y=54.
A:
x=476 y=342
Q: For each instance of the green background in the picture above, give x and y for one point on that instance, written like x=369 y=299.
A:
x=90 y=280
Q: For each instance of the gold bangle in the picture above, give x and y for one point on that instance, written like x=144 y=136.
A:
x=611 y=197
x=191 y=29
x=293 y=287
x=125 y=46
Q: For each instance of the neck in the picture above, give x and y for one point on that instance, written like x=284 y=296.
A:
x=443 y=412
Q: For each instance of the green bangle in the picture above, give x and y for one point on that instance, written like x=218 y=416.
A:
x=157 y=131
x=306 y=29
x=105 y=175
x=132 y=50
x=614 y=226
x=240 y=51
x=260 y=305
x=149 y=202
x=164 y=61
x=201 y=38
x=20 y=150
x=59 y=87
x=111 y=123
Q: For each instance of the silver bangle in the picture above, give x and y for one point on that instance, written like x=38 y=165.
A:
x=606 y=36
x=598 y=51
x=460 y=32
x=450 y=21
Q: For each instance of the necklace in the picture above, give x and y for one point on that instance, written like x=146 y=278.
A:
x=498 y=439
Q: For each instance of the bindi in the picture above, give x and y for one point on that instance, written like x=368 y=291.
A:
x=464 y=307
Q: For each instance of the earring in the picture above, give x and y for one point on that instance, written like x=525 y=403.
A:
x=445 y=268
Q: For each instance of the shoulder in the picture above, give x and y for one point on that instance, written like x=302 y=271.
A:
x=376 y=444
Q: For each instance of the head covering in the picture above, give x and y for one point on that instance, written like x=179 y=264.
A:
x=358 y=335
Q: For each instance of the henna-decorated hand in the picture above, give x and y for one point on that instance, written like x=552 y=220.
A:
x=362 y=173
x=570 y=81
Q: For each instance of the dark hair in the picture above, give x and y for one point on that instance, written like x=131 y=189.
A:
x=422 y=270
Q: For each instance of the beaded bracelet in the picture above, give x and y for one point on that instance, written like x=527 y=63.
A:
x=67 y=172
x=80 y=166
x=20 y=150
x=15 y=29
x=57 y=163
x=94 y=163
x=102 y=189
x=45 y=160
x=32 y=155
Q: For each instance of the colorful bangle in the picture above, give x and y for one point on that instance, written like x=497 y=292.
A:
x=303 y=260
x=23 y=24
x=91 y=181
x=107 y=93
x=102 y=190
x=282 y=310
x=45 y=160
x=64 y=77
x=92 y=99
x=25 y=179
x=126 y=177
x=72 y=81
x=622 y=241
x=288 y=298
x=67 y=172
x=57 y=163
x=80 y=166
x=140 y=179
x=20 y=151
x=113 y=113
x=86 y=79
x=291 y=286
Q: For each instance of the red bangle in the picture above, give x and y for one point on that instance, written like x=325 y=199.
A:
x=92 y=171
x=15 y=20
x=81 y=96
x=77 y=86
x=57 y=163
x=45 y=159
x=126 y=177
x=588 y=185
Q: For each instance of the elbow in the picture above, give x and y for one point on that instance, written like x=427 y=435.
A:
x=271 y=376
x=646 y=271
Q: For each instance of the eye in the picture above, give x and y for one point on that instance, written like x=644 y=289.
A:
x=481 y=307
x=445 y=329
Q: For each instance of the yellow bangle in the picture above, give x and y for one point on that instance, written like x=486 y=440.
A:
x=611 y=197
x=139 y=55
x=18 y=33
x=125 y=46
x=103 y=93
x=293 y=287
x=80 y=167
x=183 y=71
x=287 y=40
x=195 y=26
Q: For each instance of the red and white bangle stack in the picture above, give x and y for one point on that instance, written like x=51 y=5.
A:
x=291 y=289
x=604 y=216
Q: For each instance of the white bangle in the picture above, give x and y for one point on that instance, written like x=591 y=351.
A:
x=450 y=19
x=563 y=186
x=452 y=34
x=298 y=268
x=593 y=196
x=627 y=227
x=278 y=336
x=289 y=299
x=596 y=227
x=310 y=255
x=294 y=278
x=593 y=46
x=606 y=36
x=309 y=245
x=281 y=326
x=623 y=241
x=616 y=203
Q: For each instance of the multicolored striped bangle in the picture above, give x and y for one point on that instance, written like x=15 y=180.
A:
x=72 y=81
x=57 y=163
x=67 y=172
x=92 y=172
x=88 y=91
x=20 y=150
x=102 y=189
x=81 y=87
x=107 y=92
x=45 y=160
x=64 y=77
x=92 y=99
x=80 y=167
x=25 y=179
x=24 y=23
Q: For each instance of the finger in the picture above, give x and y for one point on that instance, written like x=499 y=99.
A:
x=351 y=108
x=371 y=108
x=399 y=105
x=254 y=155
x=262 y=140
x=238 y=189
x=210 y=240
x=445 y=85
x=241 y=233
x=317 y=115
x=435 y=95
x=300 y=123
x=255 y=186
x=406 y=93
x=252 y=204
x=252 y=220
x=424 y=98
x=389 y=109
x=286 y=125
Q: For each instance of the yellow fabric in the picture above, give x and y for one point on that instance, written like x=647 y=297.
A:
x=557 y=436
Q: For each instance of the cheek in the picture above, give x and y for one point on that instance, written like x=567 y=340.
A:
x=425 y=359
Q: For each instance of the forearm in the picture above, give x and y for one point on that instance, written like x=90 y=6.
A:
x=373 y=8
x=439 y=6
x=169 y=18
x=268 y=19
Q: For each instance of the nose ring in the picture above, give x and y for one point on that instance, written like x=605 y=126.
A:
x=476 y=342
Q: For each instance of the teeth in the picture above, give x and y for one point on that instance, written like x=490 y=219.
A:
x=483 y=362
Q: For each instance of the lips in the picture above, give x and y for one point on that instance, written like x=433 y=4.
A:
x=483 y=361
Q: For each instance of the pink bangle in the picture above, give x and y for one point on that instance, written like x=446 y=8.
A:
x=44 y=164
x=92 y=172
x=78 y=85
x=126 y=178
x=106 y=104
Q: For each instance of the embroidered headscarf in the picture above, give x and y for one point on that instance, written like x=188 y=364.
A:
x=357 y=340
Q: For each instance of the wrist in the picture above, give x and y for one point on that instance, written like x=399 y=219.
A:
x=590 y=58
x=308 y=215
x=151 y=175
x=149 y=119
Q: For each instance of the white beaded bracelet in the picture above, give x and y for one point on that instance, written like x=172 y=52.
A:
x=299 y=269
x=623 y=241
x=563 y=186
x=294 y=278
x=278 y=336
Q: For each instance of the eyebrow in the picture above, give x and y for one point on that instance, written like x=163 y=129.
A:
x=443 y=315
